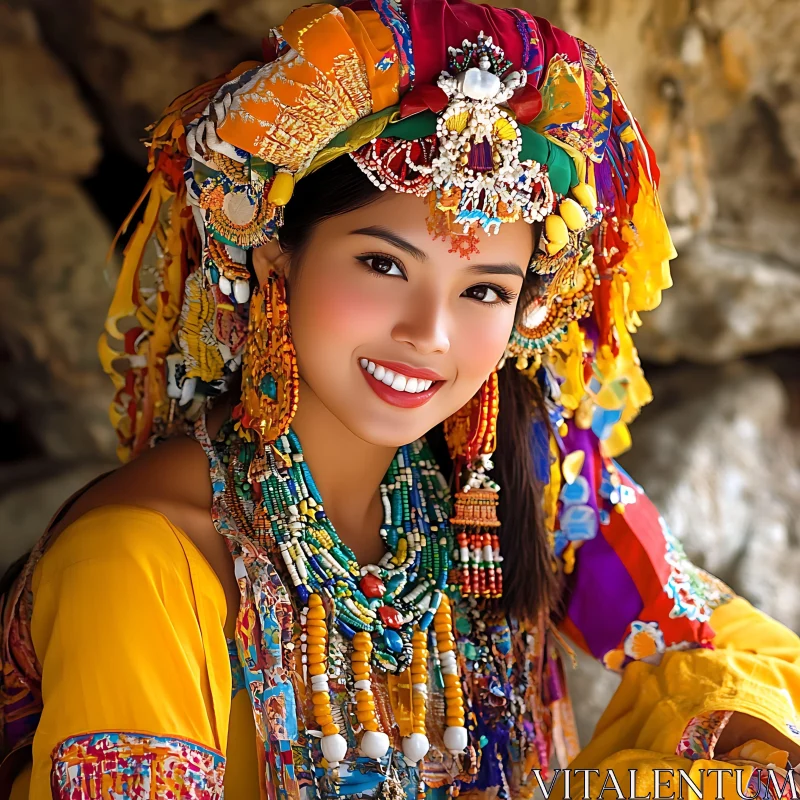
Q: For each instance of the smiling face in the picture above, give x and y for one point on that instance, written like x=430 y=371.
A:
x=393 y=332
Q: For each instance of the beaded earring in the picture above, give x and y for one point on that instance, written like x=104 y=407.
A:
x=472 y=436
x=269 y=365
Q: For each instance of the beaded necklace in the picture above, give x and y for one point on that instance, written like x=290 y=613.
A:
x=390 y=610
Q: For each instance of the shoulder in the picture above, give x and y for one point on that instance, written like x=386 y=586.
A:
x=156 y=508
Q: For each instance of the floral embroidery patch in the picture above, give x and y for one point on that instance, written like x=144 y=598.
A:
x=644 y=641
x=113 y=764
x=694 y=592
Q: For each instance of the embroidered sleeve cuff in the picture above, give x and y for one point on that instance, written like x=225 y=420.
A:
x=117 y=764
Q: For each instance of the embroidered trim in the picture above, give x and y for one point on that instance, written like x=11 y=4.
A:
x=700 y=736
x=116 y=764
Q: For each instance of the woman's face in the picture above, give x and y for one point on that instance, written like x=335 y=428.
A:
x=379 y=309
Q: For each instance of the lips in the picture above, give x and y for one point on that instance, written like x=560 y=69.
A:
x=403 y=389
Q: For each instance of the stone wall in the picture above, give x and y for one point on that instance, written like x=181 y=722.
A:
x=714 y=86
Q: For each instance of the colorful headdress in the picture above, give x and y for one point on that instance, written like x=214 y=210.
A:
x=491 y=113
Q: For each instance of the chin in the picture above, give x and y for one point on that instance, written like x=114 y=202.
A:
x=387 y=432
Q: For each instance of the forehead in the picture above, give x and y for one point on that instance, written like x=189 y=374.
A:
x=410 y=217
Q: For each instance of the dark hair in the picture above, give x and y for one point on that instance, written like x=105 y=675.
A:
x=530 y=585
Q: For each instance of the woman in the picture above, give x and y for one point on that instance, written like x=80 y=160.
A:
x=457 y=213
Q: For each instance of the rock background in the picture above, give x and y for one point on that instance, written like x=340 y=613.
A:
x=713 y=82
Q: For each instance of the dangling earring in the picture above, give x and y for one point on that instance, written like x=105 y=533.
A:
x=269 y=365
x=471 y=435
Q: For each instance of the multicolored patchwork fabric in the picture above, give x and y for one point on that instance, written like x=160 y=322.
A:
x=133 y=765
x=634 y=595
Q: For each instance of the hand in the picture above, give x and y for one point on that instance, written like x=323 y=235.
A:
x=742 y=728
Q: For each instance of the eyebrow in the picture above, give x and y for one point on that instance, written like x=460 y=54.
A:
x=379 y=232
x=509 y=268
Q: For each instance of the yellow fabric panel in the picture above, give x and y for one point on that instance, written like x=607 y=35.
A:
x=128 y=623
x=754 y=669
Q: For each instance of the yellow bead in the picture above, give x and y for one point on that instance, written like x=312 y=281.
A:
x=314 y=600
x=572 y=214
x=316 y=669
x=451 y=680
x=316 y=658
x=281 y=190
x=452 y=691
x=359 y=658
x=325 y=720
x=557 y=233
x=363 y=694
x=316 y=613
x=331 y=729
x=319 y=697
x=315 y=638
x=585 y=194
x=369 y=724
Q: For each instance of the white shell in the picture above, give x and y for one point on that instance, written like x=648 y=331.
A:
x=415 y=747
x=374 y=744
x=224 y=285
x=455 y=739
x=334 y=748
x=187 y=391
x=241 y=291
x=535 y=315
x=479 y=84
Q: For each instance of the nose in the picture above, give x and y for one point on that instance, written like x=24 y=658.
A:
x=424 y=325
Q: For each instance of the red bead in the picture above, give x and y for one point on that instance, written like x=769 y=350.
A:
x=390 y=617
x=372 y=586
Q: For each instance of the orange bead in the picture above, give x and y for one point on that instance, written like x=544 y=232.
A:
x=331 y=729
x=316 y=669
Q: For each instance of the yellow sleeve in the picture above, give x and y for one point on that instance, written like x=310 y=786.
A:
x=754 y=668
x=128 y=627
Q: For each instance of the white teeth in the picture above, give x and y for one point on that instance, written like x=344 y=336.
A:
x=399 y=383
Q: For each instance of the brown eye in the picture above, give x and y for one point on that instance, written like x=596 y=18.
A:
x=488 y=294
x=382 y=264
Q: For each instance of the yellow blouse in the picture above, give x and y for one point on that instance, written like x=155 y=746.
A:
x=128 y=622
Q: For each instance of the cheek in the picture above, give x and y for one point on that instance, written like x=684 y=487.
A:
x=481 y=340
x=332 y=312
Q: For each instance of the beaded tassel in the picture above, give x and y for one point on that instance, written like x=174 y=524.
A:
x=472 y=436
x=455 y=735
x=334 y=745
x=416 y=746
x=374 y=743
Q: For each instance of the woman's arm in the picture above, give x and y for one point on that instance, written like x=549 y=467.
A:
x=128 y=627
x=703 y=672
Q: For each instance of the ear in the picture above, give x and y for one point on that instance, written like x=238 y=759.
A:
x=268 y=259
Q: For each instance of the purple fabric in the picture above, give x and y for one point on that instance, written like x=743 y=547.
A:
x=604 y=598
